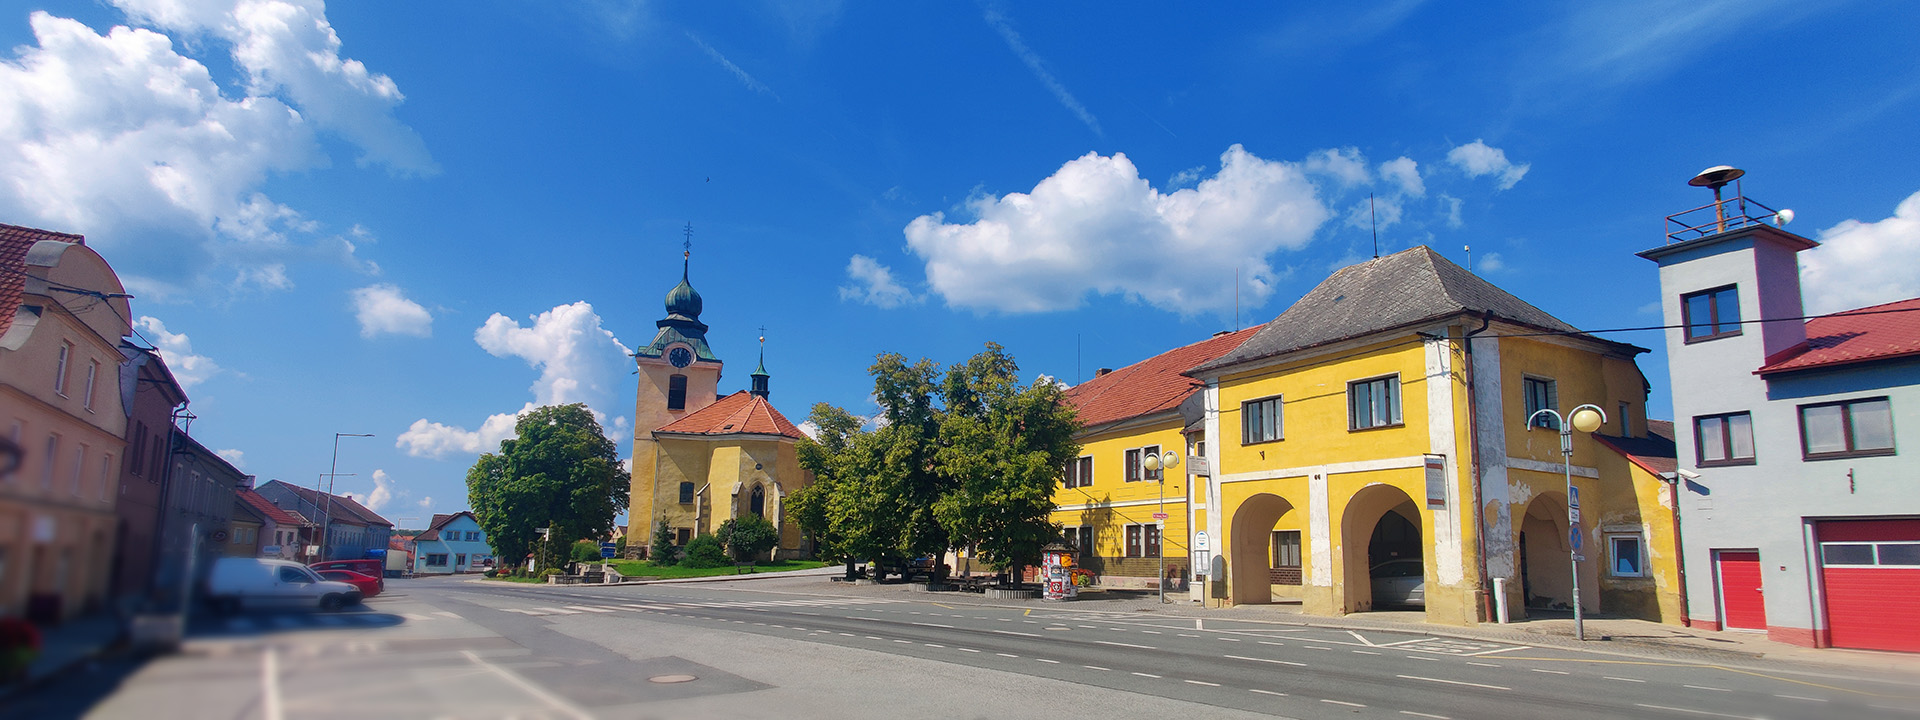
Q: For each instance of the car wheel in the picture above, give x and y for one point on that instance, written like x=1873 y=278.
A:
x=330 y=603
x=356 y=599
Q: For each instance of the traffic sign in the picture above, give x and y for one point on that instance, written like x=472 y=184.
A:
x=1159 y=516
x=608 y=549
x=1573 y=497
x=1577 y=557
x=1200 y=540
x=1573 y=536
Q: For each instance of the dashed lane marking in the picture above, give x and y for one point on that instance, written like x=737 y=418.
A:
x=938 y=625
x=1621 y=679
x=1044 y=660
x=1704 y=687
x=1127 y=645
x=557 y=611
x=1799 y=697
x=1267 y=660
x=1011 y=655
x=587 y=608
x=1454 y=682
x=1550 y=672
x=1341 y=702
x=1424 y=715
x=1203 y=682
x=1266 y=692
x=1097 y=667
x=1695 y=712
x=1151 y=675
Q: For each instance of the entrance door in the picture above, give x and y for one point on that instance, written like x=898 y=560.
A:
x=1742 y=604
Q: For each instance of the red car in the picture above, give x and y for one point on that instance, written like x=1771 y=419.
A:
x=368 y=567
x=369 y=586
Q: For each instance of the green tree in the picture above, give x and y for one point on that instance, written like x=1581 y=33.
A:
x=747 y=536
x=663 y=552
x=586 y=551
x=705 y=552
x=559 y=471
x=968 y=459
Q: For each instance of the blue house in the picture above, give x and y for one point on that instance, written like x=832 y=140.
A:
x=452 y=544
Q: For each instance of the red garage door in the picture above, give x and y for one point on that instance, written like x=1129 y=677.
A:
x=1870 y=577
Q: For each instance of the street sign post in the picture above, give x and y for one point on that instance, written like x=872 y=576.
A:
x=607 y=550
x=1159 y=516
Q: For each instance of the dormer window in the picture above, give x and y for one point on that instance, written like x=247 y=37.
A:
x=1711 y=314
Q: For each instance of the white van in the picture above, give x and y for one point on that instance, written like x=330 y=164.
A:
x=238 y=582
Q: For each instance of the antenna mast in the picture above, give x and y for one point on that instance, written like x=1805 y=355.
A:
x=1375 y=219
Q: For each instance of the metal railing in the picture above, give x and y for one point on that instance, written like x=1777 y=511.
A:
x=1717 y=217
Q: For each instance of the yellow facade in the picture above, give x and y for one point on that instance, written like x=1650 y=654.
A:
x=1111 y=504
x=726 y=471
x=1335 y=484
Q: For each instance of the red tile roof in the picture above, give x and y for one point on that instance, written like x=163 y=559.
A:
x=1151 y=385
x=1877 y=332
x=1654 y=453
x=14 y=243
x=267 y=509
x=741 y=412
x=368 y=516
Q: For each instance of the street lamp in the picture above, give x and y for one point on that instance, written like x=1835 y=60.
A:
x=326 y=515
x=1168 y=460
x=1587 y=418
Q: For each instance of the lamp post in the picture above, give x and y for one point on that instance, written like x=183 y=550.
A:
x=1587 y=418
x=1168 y=460
x=326 y=515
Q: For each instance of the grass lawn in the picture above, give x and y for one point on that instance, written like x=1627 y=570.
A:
x=639 y=568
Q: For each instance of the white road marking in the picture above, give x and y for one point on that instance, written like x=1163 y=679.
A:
x=1317 y=647
x=443 y=613
x=1499 y=650
x=1203 y=682
x=557 y=611
x=847 y=634
x=1797 y=697
x=870 y=637
x=1044 y=660
x=1266 y=692
x=1365 y=652
x=1021 y=634
x=1096 y=667
x=1186 y=635
x=1011 y=655
x=1151 y=632
x=529 y=688
x=938 y=625
x=1621 y=679
x=1151 y=675
x=1696 y=712
x=1423 y=657
x=1483 y=664
x=969 y=650
x=933 y=645
x=1266 y=660
x=270 y=685
x=587 y=608
x=1270 y=642
x=1454 y=682
x=1128 y=645
x=1550 y=672
x=1704 y=687
x=1230 y=639
x=1424 y=715
x=1337 y=702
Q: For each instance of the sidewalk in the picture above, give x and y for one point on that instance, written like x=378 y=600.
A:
x=1623 y=636
x=66 y=646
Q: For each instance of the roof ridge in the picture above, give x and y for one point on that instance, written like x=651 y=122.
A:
x=1845 y=313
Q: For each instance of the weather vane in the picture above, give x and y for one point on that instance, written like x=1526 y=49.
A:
x=687 y=247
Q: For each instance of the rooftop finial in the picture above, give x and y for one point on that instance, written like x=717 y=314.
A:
x=687 y=247
x=760 y=373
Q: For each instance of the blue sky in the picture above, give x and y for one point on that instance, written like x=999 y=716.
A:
x=414 y=219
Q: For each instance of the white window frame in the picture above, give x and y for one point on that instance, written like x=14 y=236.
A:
x=1552 y=400
x=1396 y=411
x=60 y=369
x=1613 y=554
x=93 y=373
x=1274 y=407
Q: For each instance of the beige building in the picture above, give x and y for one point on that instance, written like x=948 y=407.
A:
x=700 y=459
x=62 y=314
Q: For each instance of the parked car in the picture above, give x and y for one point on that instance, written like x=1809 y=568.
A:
x=258 y=583
x=372 y=567
x=369 y=586
x=1399 y=582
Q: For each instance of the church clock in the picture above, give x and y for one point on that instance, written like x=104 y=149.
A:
x=680 y=357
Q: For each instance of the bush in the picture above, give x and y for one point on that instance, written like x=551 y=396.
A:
x=705 y=552
x=492 y=573
x=664 y=553
x=586 y=551
x=747 y=536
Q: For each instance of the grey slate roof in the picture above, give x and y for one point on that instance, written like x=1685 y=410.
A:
x=1401 y=289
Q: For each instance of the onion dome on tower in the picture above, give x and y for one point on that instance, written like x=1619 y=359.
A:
x=682 y=323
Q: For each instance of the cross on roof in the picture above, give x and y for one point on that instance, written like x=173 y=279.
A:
x=687 y=246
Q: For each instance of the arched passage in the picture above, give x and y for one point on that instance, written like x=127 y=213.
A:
x=1546 y=569
x=1251 y=553
x=1383 y=535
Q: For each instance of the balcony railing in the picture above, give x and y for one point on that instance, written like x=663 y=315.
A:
x=1717 y=217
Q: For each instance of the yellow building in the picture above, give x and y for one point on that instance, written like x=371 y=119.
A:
x=700 y=459
x=62 y=314
x=1109 y=502
x=1379 y=428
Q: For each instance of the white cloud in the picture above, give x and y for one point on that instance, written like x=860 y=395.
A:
x=1864 y=263
x=237 y=457
x=745 y=78
x=809 y=429
x=1342 y=164
x=579 y=361
x=382 y=491
x=1096 y=226
x=1185 y=178
x=122 y=138
x=425 y=502
x=1453 y=211
x=1034 y=63
x=874 y=284
x=1380 y=213
x=188 y=369
x=1045 y=379
x=1490 y=263
x=1477 y=158
x=384 y=308
x=1403 y=171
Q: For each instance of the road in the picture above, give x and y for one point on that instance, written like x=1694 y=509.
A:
x=456 y=648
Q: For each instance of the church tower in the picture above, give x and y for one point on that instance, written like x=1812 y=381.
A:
x=679 y=375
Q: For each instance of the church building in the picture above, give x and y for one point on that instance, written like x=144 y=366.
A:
x=700 y=459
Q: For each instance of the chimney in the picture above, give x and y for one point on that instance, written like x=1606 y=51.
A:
x=1102 y=371
x=1223 y=332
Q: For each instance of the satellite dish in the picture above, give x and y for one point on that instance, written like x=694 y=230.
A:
x=1716 y=176
x=1780 y=219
